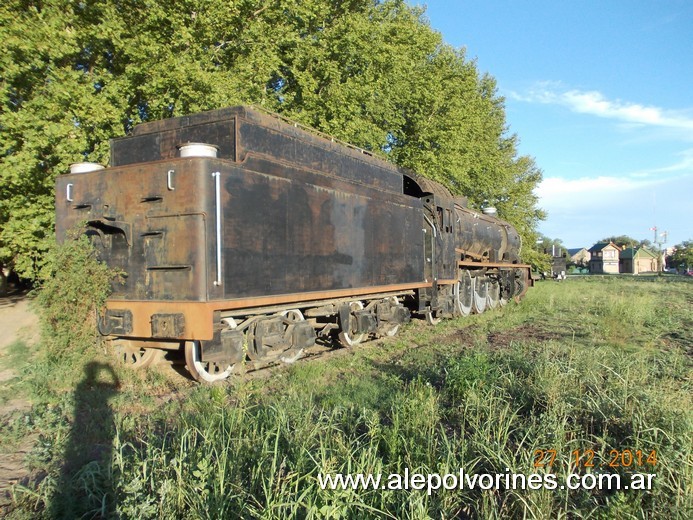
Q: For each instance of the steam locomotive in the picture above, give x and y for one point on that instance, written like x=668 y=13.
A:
x=246 y=238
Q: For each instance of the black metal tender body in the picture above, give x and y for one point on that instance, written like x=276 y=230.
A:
x=249 y=248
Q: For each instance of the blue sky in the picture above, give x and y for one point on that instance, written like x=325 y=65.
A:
x=600 y=93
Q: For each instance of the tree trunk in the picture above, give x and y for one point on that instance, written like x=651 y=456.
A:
x=3 y=281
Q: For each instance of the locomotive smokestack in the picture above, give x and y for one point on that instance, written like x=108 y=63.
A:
x=198 y=150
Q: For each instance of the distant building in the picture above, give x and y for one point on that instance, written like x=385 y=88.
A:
x=579 y=256
x=559 y=258
x=636 y=260
x=558 y=265
x=604 y=258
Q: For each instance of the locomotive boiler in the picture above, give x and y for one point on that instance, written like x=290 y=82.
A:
x=245 y=238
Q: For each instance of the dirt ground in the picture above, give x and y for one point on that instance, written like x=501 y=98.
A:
x=17 y=323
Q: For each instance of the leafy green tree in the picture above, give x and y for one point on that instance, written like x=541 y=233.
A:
x=682 y=257
x=550 y=245
x=74 y=74
x=543 y=251
x=626 y=241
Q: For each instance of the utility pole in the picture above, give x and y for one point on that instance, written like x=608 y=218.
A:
x=659 y=241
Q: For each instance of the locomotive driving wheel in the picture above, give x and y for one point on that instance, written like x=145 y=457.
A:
x=480 y=294
x=464 y=293
x=521 y=283
x=507 y=286
x=519 y=288
x=349 y=335
x=494 y=296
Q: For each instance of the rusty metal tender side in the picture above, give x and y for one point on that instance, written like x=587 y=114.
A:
x=246 y=237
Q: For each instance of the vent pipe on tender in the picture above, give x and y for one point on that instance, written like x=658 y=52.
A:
x=85 y=167
x=198 y=150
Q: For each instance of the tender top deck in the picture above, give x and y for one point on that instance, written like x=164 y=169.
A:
x=241 y=133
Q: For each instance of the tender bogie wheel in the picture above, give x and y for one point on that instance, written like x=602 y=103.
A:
x=205 y=372
x=480 y=295
x=350 y=340
x=135 y=356
x=347 y=338
x=292 y=355
x=391 y=328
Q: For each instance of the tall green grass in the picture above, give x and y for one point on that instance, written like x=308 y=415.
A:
x=588 y=364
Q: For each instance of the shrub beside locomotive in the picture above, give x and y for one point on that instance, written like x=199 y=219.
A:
x=245 y=238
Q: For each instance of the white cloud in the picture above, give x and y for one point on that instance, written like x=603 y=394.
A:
x=595 y=103
x=582 y=211
x=585 y=194
x=683 y=166
x=650 y=186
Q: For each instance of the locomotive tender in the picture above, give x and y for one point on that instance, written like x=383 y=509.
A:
x=245 y=237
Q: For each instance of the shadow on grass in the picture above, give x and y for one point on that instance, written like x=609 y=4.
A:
x=84 y=486
x=408 y=370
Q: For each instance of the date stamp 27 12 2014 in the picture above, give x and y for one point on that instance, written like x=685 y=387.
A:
x=588 y=458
